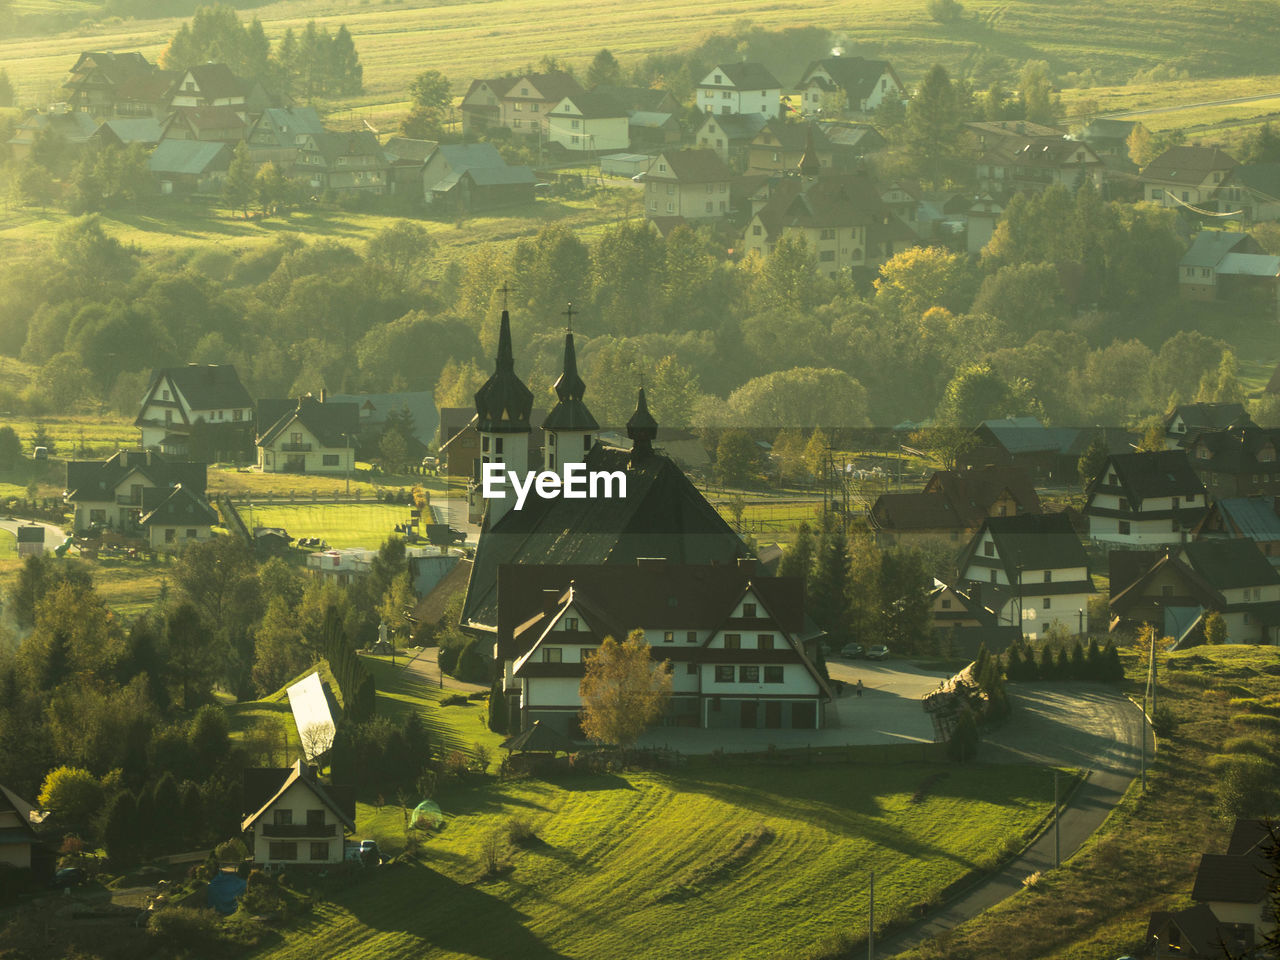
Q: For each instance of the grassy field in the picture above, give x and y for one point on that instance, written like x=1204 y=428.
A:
x=718 y=863
x=1098 y=904
x=476 y=38
x=245 y=482
x=8 y=545
x=341 y=525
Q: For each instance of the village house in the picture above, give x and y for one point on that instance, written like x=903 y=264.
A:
x=189 y=167
x=1236 y=885
x=1196 y=933
x=147 y=94
x=980 y=223
x=73 y=128
x=1108 y=137
x=1239 y=461
x=1051 y=452
x=379 y=409
x=1229 y=266
x=1020 y=156
x=1031 y=570
x=1251 y=192
x=474 y=176
x=214 y=85
x=30 y=540
x=653 y=116
x=735 y=640
x=19 y=846
x=524 y=107
x=1186 y=177
x=1175 y=588
x=841 y=217
x=481 y=105
x=847 y=85
x=730 y=136
x=459 y=442
x=307 y=435
x=350 y=163
x=1245 y=518
x=693 y=184
x=780 y=146
x=1185 y=422
x=221 y=124
x=1145 y=499
x=740 y=88
x=408 y=157
x=292 y=819
x=952 y=505
x=94 y=83
x=141 y=493
x=179 y=398
x=589 y=123
x=274 y=136
x=126 y=131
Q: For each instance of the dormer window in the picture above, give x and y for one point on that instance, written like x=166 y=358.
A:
x=719 y=79
x=748 y=609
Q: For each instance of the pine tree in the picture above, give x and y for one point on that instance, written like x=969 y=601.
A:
x=827 y=587
x=121 y=830
x=166 y=823
x=934 y=124
x=498 y=720
x=1048 y=669
x=1093 y=665
x=797 y=560
x=1062 y=668
x=1114 y=668
x=347 y=73
x=6 y=89
x=1013 y=663
x=1077 y=663
x=1093 y=459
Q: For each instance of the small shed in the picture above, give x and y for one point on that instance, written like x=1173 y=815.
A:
x=539 y=738
x=625 y=164
x=30 y=540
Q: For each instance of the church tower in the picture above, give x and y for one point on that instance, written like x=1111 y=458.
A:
x=642 y=428
x=570 y=427
x=503 y=407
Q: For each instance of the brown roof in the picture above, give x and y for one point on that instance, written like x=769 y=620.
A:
x=1202 y=934
x=1227 y=879
x=335 y=799
x=984 y=486
x=1189 y=165
x=216 y=81
x=747 y=76
x=693 y=166
x=1017 y=129
x=830 y=200
x=210 y=118
x=555 y=85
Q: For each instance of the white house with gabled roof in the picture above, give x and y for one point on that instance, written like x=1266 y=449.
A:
x=740 y=88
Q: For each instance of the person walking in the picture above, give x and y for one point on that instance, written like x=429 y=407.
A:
x=858 y=687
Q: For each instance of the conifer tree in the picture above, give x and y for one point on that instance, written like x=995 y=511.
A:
x=1078 y=663
x=827 y=595
x=1048 y=669
x=238 y=188
x=797 y=561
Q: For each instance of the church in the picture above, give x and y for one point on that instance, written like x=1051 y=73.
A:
x=551 y=580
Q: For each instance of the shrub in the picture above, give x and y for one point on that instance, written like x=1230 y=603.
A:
x=521 y=832
x=185 y=928
x=944 y=11
x=1164 y=721
x=231 y=851
x=1251 y=743
x=963 y=745
x=1261 y=721
x=454 y=700
x=491 y=851
x=1246 y=788
x=1243 y=703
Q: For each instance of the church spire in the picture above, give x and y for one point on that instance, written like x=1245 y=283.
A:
x=569 y=385
x=642 y=428
x=570 y=426
x=504 y=403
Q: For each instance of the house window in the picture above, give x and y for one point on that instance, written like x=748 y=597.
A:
x=279 y=850
x=773 y=674
x=283 y=817
x=691 y=669
x=1048 y=576
x=1175 y=503
x=710 y=207
x=575 y=138
x=237 y=414
x=1166 y=591
x=668 y=636
x=330 y=459
x=1124 y=528
x=748 y=609
x=320 y=850
x=756 y=230
x=170 y=535
x=1048 y=602
x=573 y=124
x=748 y=674
x=827 y=234
x=993 y=576
x=671 y=207
x=295 y=438
x=1044 y=628
x=191 y=533
x=97 y=516
x=733 y=641
x=571 y=624
x=533 y=108
x=315 y=818
x=551 y=655
x=724 y=674
x=988 y=549
x=946 y=604
x=497 y=444
x=691 y=636
x=1124 y=503
x=764 y=641
x=826 y=256
x=516 y=122
x=671 y=189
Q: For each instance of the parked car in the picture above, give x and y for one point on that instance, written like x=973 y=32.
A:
x=877 y=652
x=68 y=877
x=852 y=651
x=370 y=853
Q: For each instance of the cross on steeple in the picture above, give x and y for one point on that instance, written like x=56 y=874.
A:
x=504 y=290
x=569 y=313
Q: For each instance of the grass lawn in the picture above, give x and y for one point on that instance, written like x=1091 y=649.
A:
x=8 y=545
x=129 y=587
x=1098 y=904
x=340 y=524
x=270 y=720
x=717 y=863
x=244 y=482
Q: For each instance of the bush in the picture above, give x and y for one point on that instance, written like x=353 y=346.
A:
x=454 y=700
x=521 y=832
x=185 y=928
x=1251 y=743
x=1164 y=721
x=1260 y=721
x=1246 y=788
x=945 y=11
x=963 y=745
x=231 y=851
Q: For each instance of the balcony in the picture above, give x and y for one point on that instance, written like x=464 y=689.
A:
x=295 y=447
x=128 y=500
x=298 y=831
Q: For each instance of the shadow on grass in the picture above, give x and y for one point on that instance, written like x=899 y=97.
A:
x=454 y=917
x=592 y=783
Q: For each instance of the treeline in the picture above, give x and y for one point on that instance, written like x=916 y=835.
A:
x=1060 y=661
x=310 y=64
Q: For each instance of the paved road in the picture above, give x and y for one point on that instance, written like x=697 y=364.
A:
x=425 y=664
x=1188 y=106
x=1082 y=725
x=53 y=534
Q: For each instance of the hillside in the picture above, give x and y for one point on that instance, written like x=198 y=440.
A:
x=470 y=38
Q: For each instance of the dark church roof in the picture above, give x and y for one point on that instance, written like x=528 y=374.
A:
x=504 y=402
x=570 y=413
x=662 y=515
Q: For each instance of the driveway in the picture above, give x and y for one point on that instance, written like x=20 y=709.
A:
x=53 y=534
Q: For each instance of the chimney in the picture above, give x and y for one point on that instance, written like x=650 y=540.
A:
x=550 y=600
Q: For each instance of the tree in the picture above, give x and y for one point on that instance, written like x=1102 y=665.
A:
x=10 y=448
x=797 y=560
x=934 y=125
x=1036 y=92
x=210 y=737
x=1139 y=144
x=737 y=457
x=623 y=690
x=976 y=393
x=430 y=99
x=604 y=70
x=945 y=11
x=828 y=592
x=1092 y=460
x=73 y=796
x=1215 y=629
x=805 y=397
x=239 y=186
x=918 y=278
x=6 y=89
x=121 y=832
x=398 y=252
x=193 y=658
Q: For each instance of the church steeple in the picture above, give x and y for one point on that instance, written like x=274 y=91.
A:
x=570 y=425
x=642 y=428
x=504 y=403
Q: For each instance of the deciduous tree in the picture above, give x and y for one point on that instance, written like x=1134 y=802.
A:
x=623 y=690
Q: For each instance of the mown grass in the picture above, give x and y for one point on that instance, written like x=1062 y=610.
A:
x=340 y=524
x=1098 y=903
x=603 y=878
x=245 y=482
x=8 y=545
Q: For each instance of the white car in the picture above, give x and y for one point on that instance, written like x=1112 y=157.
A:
x=877 y=652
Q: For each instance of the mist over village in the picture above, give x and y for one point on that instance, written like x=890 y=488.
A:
x=648 y=480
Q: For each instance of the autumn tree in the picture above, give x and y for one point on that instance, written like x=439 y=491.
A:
x=623 y=690
x=1215 y=629
x=430 y=99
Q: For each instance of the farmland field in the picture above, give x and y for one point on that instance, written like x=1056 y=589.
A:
x=758 y=864
x=479 y=37
x=340 y=524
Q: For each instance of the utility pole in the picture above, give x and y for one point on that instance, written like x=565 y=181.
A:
x=871 y=920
